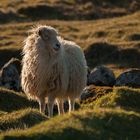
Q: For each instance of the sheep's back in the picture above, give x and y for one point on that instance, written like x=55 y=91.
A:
x=76 y=65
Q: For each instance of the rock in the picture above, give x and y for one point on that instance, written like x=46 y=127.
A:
x=129 y=78
x=0 y=79
x=88 y=73
x=101 y=76
x=10 y=74
x=87 y=93
x=95 y=91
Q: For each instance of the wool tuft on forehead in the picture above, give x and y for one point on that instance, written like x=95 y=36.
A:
x=43 y=28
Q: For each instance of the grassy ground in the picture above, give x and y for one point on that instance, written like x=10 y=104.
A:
x=21 y=10
x=112 y=113
x=21 y=119
x=112 y=42
x=123 y=97
x=110 y=116
x=11 y=101
x=87 y=124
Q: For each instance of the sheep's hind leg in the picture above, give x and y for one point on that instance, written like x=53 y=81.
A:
x=71 y=104
x=50 y=106
x=42 y=105
x=60 y=105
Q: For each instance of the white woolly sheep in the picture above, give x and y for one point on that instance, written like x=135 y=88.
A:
x=53 y=69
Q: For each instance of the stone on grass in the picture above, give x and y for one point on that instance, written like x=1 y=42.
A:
x=10 y=74
x=101 y=76
x=129 y=78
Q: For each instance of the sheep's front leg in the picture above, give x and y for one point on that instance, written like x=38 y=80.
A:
x=50 y=106
x=71 y=104
x=42 y=105
x=60 y=105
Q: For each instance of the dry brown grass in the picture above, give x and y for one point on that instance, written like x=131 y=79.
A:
x=65 y=9
x=122 y=32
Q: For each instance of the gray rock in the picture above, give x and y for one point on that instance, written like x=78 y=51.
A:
x=129 y=78
x=93 y=92
x=0 y=79
x=10 y=74
x=88 y=73
x=101 y=76
x=86 y=93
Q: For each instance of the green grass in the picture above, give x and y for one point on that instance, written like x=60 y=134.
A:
x=89 y=124
x=20 y=119
x=123 y=97
x=11 y=101
x=111 y=116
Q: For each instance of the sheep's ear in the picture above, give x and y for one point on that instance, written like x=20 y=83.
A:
x=39 y=32
x=43 y=34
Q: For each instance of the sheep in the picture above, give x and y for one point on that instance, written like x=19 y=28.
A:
x=53 y=69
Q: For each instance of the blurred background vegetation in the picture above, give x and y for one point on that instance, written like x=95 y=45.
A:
x=65 y=9
x=107 y=30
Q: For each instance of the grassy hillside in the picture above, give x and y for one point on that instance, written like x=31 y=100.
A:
x=122 y=97
x=112 y=112
x=112 y=42
x=22 y=10
x=11 y=101
x=21 y=119
x=110 y=116
x=87 y=124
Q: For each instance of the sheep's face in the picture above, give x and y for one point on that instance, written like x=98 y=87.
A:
x=50 y=37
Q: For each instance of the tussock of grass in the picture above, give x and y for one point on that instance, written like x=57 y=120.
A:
x=123 y=97
x=20 y=119
x=95 y=92
x=104 y=53
x=11 y=100
x=90 y=124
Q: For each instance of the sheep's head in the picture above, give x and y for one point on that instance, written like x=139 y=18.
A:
x=50 y=37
